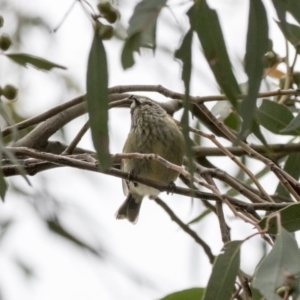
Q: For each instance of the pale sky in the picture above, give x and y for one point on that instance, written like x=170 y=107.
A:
x=155 y=250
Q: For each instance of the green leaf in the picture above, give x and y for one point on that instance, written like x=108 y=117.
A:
x=221 y=282
x=274 y=117
x=291 y=33
x=279 y=267
x=142 y=29
x=184 y=53
x=3 y=184
x=291 y=167
x=200 y=217
x=97 y=100
x=290 y=219
x=257 y=46
x=55 y=227
x=189 y=294
x=204 y=21
x=255 y=129
x=24 y=59
x=294 y=124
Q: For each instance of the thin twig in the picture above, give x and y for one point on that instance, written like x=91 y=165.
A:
x=76 y=140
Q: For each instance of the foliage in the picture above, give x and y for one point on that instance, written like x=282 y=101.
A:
x=236 y=117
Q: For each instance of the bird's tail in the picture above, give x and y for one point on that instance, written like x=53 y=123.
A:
x=130 y=208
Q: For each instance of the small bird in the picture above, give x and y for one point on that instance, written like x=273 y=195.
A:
x=152 y=131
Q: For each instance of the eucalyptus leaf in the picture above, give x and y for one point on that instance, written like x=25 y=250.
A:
x=257 y=46
x=205 y=22
x=97 y=100
x=275 y=117
x=141 y=30
x=291 y=33
x=24 y=60
x=279 y=268
x=189 y=294
x=291 y=166
x=221 y=282
x=289 y=216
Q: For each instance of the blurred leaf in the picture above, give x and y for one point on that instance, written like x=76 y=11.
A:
x=291 y=33
x=203 y=18
x=233 y=121
x=55 y=227
x=4 y=226
x=200 y=217
x=97 y=100
x=294 y=124
x=290 y=219
x=281 y=11
x=189 y=294
x=256 y=295
x=255 y=129
x=37 y=62
x=3 y=184
x=275 y=117
x=28 y=271
x=221 y=282
x=184 y=53
x=279 y=267
x=257 y=46
x=142 y=29
x=291 y=167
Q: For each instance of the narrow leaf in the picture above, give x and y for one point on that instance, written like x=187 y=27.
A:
x=279 y=268
x=24 y=60
x=291 y=33
x=55 y=227
x=275 y=117
x=293 y=125
x=291 y=166
x=97 y=100
x=221 y=282
x=184 y=53
x=204 y=21
x=290 y=219
x=257 y=46
x=142 y=29
x=189 y=294
x=200 y=217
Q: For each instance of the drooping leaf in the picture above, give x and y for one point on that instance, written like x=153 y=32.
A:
x=221 y=282
x=257 y=46
x=290 y=219
x=255 y=129
x=189 y=294
x=55 y=227
x=97 y=100
x=291 y=33
x=142 y=29
x=204 y=21
x=24 y=60
x=200 y=217
x=291 y=166
x=275 y=117
x=293 y=125
x=184 y=53
x=279 y=268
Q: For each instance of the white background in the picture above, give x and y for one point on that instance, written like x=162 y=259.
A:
x=143 y=261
